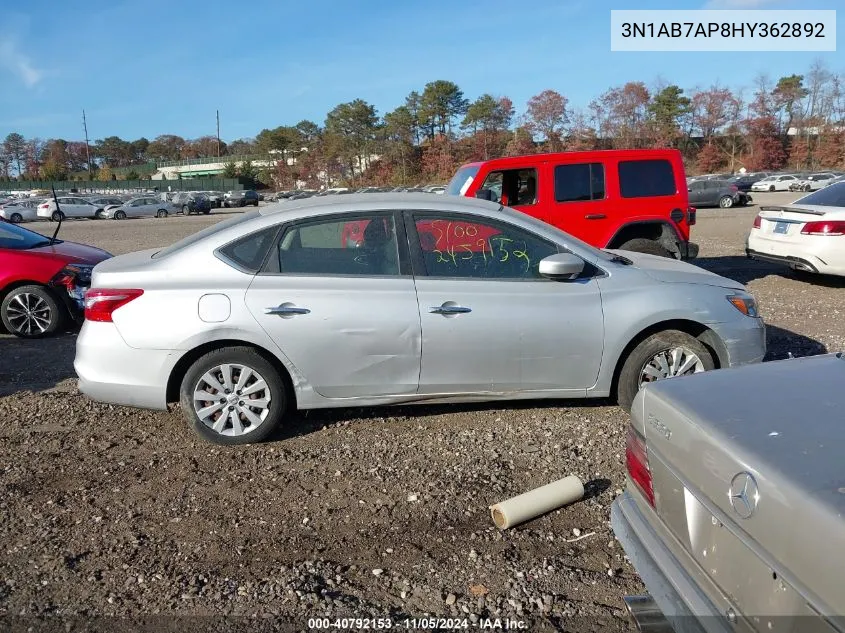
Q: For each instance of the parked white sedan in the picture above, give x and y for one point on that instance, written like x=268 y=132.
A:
x=775 y=183
x=144 y=207
x=69 y=207
x=807 y=235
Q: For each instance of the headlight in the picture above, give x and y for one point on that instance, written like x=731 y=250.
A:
x=745 y=304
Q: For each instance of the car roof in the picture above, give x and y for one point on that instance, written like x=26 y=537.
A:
x=389 y=200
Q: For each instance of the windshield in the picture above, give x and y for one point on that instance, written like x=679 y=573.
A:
x=831 y=196
x=17 y=238
x=462 y=180
x=210 y=230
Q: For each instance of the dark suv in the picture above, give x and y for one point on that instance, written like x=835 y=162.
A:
x=191 y=202
x=241 y=199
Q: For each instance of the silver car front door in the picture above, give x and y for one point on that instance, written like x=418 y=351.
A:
x=490 y=323
x=342 y=310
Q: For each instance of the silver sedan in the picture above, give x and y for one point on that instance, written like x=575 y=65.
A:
x=395 y=298
x=144 y=207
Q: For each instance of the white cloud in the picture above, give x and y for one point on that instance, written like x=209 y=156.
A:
x=740 y=4
x=17 y=62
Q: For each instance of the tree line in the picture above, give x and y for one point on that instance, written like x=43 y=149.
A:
x=796 y=122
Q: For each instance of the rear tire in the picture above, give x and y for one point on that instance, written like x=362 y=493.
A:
x=57 y=216
x=635 y=370
x=16 y=218
x=256 y=423
x=726 y=202
x=649 y=247
x=186 y=210
x=771 y=187
x=31 y=312
x=161 y=213
x=207 y=211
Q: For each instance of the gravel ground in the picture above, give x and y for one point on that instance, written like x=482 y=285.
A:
x=108 y=511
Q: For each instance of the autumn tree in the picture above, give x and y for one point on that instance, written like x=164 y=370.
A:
x=766 y=150
x=521 y=143
x=241 y=147
x=165 y=147
x=399 y=136
x=14 y=148
x=622 y=114
x=105 y=173
x=230 y=170
x=438 y=159
x=547 y=115
x=786 y=100
x=487 y=117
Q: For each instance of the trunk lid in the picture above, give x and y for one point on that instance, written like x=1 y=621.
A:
x=748 y=474
x=783 y=222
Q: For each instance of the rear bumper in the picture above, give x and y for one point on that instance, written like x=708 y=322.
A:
x=682 y=601
x=111 y=371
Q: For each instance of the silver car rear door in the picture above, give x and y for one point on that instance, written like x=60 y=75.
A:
x=339 y=301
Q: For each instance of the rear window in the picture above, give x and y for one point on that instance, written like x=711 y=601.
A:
x=646 y=178
x=831 y=196
x=248 y=253
x=206 y=232
x=578 y=183
x=462 y=180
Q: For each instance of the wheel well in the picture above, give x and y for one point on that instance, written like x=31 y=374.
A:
x=24 y=282
x=180 y=369
x=660 y=232
x=704 y=334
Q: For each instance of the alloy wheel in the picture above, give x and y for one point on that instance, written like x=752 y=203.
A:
x=670 y=363
x=232 y=399
x=29 y=314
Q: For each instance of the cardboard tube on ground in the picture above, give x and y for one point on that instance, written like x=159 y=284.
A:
x=536 y=502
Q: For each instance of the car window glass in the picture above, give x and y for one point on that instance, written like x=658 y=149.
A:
x=358 y=244
x=696 y=186
x=579 y=183
x=248 y=252
x=463 y=247
x=513 y=187
x=646 y=178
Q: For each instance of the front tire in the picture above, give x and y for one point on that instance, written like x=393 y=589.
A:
x=232 y=396
x=726 y=202
x=119 y=215
x=662 y=355
x=186 y=210
x=16 y=218
x=643 y=245
x=771 y=187
x=31 y=312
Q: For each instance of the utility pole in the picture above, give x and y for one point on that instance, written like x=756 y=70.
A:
x=87 y=148
x=218 y=133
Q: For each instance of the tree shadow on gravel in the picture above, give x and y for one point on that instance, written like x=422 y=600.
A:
x=745 y=270
x=35 y=364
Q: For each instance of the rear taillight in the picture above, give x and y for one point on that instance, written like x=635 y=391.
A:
x=757 y=222
x=830 y=228
x=100 y=303
x=46 y=205
x=691 y=213
x=636 y=461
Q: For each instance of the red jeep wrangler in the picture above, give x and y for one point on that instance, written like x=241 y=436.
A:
x=634 y=200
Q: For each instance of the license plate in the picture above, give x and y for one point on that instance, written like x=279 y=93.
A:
x=782 y=228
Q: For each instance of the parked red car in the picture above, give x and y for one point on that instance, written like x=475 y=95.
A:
x=42 y=282
x=627 y=199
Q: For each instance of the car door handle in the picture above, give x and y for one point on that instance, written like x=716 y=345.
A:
x=286 y=310
x=449 y=310
x=595 y=216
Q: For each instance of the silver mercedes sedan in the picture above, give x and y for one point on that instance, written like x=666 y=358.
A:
x=393 y=298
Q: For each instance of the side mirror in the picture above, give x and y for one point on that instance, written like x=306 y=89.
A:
x=561 y=266
x=484 y=194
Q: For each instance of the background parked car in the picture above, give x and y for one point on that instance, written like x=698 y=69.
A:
x=241 y=199
x=813 y=182
x=20 y=210
x=716 y=193
x=189 y=202
x=215 y=197
x=143 y=207
x=774 y=183
x=42 y=283
x=744 y=182
x=69 y=207
x=104 y=203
